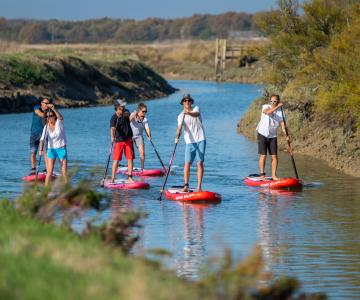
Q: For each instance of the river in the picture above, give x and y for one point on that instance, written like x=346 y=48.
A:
x=312 y=235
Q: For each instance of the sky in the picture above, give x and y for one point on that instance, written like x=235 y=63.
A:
x=134 y=9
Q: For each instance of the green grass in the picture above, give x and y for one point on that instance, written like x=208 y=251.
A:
x=20 y=69
x=42 y=261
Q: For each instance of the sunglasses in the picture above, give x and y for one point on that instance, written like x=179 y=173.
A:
x=187 y=100
x=144 y=111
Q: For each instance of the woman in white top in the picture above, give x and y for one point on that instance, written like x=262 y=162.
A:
x=139 y=124
x=54 y=134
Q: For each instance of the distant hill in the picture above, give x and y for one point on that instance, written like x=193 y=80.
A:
x=125 y=30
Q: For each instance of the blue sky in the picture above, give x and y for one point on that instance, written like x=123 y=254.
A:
x=137 y=9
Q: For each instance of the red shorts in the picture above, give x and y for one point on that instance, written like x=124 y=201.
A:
x=125 y=146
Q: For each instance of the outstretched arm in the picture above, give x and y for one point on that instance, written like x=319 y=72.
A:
x=270 y=110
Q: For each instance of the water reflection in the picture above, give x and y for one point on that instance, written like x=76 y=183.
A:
x=193 y=252
x=272 y=211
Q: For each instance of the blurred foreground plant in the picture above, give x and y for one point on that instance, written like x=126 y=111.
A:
x=241 y=281
x=65 y=203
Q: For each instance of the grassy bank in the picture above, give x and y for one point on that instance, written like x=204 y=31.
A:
x=42 y=261
x=173 y=60
x=72 y=80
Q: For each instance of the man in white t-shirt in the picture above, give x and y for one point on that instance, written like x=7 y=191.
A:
x=139 y=124
x=194 y=137
x=271 y=118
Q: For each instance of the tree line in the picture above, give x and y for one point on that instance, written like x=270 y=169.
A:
x=198 y=26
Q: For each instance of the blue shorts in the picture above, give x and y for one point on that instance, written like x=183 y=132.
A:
x=195 y=150
x=55 y=153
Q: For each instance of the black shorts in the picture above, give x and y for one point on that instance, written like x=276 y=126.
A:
x=267 y=144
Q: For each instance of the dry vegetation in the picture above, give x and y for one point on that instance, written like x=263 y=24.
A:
x=192 y=60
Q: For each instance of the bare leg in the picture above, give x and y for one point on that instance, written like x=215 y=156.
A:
x=186 y=175
x=33 y=160
x=45 y=159
x=274 y=164
x=50 y=167
x=262 y=160
x=114 y=169
x=200 y=173
x=63 y=164
x=130 y=169
x=142 y=156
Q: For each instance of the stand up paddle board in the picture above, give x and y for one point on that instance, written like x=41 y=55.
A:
x=124 y=184
x=254 y=180
x=177 y=193
x=41 y=177
x=139 y=172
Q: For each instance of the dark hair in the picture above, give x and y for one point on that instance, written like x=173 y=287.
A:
x=276 y=96
x=141 y=106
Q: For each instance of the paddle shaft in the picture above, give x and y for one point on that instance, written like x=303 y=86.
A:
x=289 y=144
x=157 y=154
x=108 y=158
x=171 y=159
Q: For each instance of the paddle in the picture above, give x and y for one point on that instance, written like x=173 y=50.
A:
x=108 y=158
x=42 y=148
x=171 y=160
x=289 y=144
x=157 y=154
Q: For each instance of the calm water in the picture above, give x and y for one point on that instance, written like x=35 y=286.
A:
x=313 y=234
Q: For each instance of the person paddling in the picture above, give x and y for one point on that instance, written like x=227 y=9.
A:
x=54 y=134
x=37 y=126
x=271 y=117
x=121 y=134
x=194 y=136
x=138 y=124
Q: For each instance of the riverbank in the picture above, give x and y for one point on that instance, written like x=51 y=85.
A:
x=73 y=81
x=42 y=261
x=311 y=135
x=183 y=60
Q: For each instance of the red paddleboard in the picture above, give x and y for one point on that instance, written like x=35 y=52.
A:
x=41 y=177
x=177 y=193
x=124 y=184
x=139 y=172
x=273 y=184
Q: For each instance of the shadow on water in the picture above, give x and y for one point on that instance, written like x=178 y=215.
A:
x=313 y=234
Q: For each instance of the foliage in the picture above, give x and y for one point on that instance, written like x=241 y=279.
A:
x=316 y=54
x=19 y=70
x=239 y=280
x=118 y=233
x=127 y=31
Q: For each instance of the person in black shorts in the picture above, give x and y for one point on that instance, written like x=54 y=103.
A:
x=271 y=118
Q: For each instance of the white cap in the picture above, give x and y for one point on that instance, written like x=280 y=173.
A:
x=120 y=102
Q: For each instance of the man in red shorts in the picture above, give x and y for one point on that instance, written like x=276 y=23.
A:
x=121 y=134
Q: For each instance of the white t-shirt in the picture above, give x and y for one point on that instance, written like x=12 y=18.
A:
x=193 y=128
x=56 y=139
x=138 y=127
x=268 y=124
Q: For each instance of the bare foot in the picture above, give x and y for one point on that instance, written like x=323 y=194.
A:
x=275 y=178
x=130 y=180
x=186 y=188
x=198 y=189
